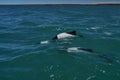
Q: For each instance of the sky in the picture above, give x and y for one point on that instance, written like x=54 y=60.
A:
x=57 y=1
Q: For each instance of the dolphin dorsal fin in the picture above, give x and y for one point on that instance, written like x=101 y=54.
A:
x=54 y=38
x=72 y=33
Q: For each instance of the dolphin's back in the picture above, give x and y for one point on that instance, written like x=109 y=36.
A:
x=64 y=35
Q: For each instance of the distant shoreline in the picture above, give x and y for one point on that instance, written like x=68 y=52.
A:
x=97 y=4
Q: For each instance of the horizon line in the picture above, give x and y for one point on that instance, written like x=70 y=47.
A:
x=63 y=4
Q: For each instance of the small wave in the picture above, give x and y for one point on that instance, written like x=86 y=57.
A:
x=2 y=27
x=27 y=23
x=14 y=46
x=108 y=33
x=4 y=58
x=26 y=13
x=95 y=28
x=91 y=77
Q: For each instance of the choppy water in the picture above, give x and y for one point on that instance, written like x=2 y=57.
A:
x=22 y=28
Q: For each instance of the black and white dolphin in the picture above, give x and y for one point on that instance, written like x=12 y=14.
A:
x=62 y=35
x=82 y=49
x=79 y=49
x=66 y=35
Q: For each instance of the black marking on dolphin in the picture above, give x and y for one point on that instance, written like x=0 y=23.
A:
x=74 y=33
x=86 y=49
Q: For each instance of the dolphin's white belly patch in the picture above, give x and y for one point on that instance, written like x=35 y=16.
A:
x=64 y=35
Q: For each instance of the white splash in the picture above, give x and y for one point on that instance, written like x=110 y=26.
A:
x=44 y=42
x=52 y=75
x=108 y=33
x=91 y=77
x=103 y=71
x=87 y=29
x=94 y=28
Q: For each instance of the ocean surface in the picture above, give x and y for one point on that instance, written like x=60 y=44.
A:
x=27 y=52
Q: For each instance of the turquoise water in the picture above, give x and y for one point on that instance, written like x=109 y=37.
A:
x=22 y=28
